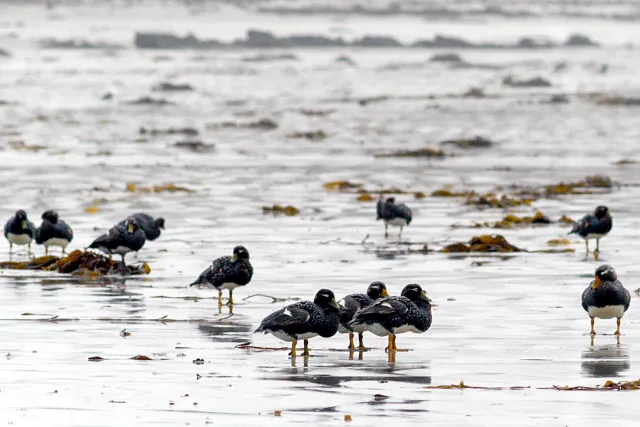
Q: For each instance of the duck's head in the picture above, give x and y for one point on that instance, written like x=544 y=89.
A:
x=326 y=300
x=159 y=222
x=377 y=290
x=132 y=225
x=51 y=216
x=21 y=216
x=601 y=212
x=415 y=293
x=604 y=273
x=240 y=252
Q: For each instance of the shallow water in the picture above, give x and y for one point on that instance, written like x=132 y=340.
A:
x=503 y=321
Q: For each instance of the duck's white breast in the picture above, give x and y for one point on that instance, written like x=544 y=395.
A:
x=608 y=312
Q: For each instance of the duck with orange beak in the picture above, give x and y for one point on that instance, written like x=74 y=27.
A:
x=605 y=297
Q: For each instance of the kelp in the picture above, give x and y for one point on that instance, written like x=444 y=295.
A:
x=317 y=135
x=79 y=263
x=423 y=152
x=485 y=243
x=514 y=221
x=163 y=188
x=279 y=210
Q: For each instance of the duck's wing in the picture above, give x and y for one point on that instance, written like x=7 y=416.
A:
x=65 y=230
x=216 y=273
x=585 y=297
x=383 y=308
x=403 y=211
x=292 y=315
x=379 y=210
x=583 y=225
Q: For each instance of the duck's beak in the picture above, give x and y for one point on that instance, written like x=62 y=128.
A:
x=423 y=296
x=130 y=228
x=334 y=304
x=596 y=283
x=384 y=293
x=24 y=224
x=234 y=258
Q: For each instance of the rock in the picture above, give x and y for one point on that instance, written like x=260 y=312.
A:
x=270 y=57
x=377 y=41
x=172 y=87
x=474 y=92
x=146 y=100
x=533 y=82
x=195 y=146
x=317 y=135
x=345 y=60
x=475 y=142
x=169 y=41
x=4 y=53
x=531 y=43
x=578 y=40
x=314 y=41
x=77 y=44
x=262 y=124
x=256 y=38
x=559 y=99
x=170 y=131
x=444 y=42
x=446 y=57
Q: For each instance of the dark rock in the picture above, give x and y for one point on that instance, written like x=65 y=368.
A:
x=345 y=60
x=4 y=53
x=578 y=40
x=533 y=82
x=475 y=142
x=318 y=135
x=445 y=41
x=268 y=57
x=170 y=131
x=559 y=99
x=195 y=146
x=256 y=38
x=170 y=41
x=262 y=124
x=446 y=57
x=77 y=44
x=173 y=87
x=474 y=92
x=531 y=43
x=147 y=100
x=314 y=41
x=377 y=41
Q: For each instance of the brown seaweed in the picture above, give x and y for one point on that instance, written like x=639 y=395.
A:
x=79 y=263
x=484 y=243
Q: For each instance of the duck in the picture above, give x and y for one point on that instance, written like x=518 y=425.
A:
x=19 y=230
x=397 y=215
x=151 y=227
x=354 y=303
x=304 y=320
x=410 y=312
x=594 y=226
x=121 y=239
x=53 y=232
x=227 y=272
x=605 y=297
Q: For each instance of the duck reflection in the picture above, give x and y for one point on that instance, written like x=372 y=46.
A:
x=605 y=361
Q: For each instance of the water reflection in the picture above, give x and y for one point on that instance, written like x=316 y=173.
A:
x=229 y=331
x=605 y=361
